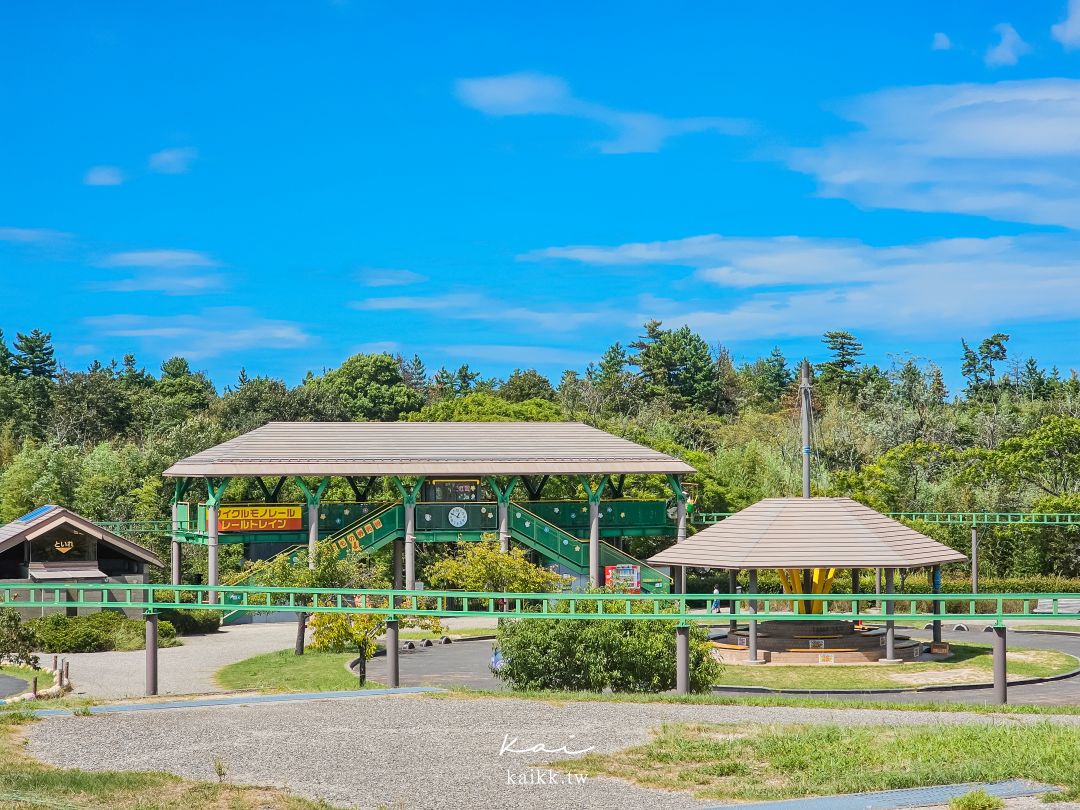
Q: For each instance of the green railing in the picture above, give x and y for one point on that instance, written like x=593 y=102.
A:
x=676 y=607
x=957 y=518
x=623 y=517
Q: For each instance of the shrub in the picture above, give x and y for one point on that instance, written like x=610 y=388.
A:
x=595 y=655
x=17 y=641
x=191 y=622
x=96 y=632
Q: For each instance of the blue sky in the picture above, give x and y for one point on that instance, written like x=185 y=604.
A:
x=277 y=185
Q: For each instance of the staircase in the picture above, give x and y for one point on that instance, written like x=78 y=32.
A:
x=566 y=549
x=370 y=533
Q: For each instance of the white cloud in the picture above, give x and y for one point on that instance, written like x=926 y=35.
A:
x=538 y=94
x=176 y=160
x=1009 y=150
x=169 y=284
x=209 y=333
x=475 y=307
x=104 y=176
x=1067 y=32
x=32 y=236
x=1009 y=49
x=161 y=259
x=385 y=277
x=941 y=42
x=796 y=286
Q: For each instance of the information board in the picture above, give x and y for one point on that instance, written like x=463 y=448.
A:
x=264 y=517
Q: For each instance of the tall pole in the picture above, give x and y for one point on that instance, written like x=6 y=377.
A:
x=151 y=652
x=804 y=399
x=974 y=557
x=212 y=550
x=312 y=534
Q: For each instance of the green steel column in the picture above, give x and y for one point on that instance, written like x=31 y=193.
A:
x=178 y=493
x=502 y=496
x=974 y=556
x=409 y=495
x=214 y=493
x=595 y=575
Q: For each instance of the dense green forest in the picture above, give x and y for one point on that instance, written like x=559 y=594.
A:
x=895 y=438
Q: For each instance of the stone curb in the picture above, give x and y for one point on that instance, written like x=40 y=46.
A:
x=54 y=691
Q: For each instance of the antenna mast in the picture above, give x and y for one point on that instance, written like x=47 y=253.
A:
x=804 y=400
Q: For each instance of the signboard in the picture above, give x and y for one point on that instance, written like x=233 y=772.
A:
x=939 y=648
x=451 y=490
x=826 y=658
x=626 y=577
x=267 y=517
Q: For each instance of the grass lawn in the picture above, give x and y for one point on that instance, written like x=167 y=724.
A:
x=283 y=671
x=761 y=763
x=711 y=699
x=26 y=783
x=45 y=679
x=1061 y=627
x=969 y=663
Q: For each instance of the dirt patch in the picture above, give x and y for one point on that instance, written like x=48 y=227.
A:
x=927 y=677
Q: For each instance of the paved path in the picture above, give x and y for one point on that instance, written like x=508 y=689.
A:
x=184 y=670
x=12 y=686
x=417 y=752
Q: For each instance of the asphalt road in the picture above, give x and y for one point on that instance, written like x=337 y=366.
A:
x=11 y=686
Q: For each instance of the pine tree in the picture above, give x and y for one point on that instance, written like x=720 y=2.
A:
x=838 y=373
x=34 y=355
x=414 y=372
x=7 y=360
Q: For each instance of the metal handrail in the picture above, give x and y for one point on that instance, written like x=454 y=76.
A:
x=675 y=607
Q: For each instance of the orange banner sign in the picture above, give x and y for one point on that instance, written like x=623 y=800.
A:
x=261 y=518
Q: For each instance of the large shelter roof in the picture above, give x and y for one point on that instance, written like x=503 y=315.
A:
x=807 y=533
x=46 y=518
x=426 y=448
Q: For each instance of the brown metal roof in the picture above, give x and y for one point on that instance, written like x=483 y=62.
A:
x=807 y=533
x=46 y=518
x=426 y=448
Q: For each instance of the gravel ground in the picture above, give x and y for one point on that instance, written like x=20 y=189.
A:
x=414 y=752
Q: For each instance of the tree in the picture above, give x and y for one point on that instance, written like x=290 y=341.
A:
x=676 y=365
x=978 y=366
x=487 y=408
x=485 y=567
x=414 y=373
x=528 y=384
x=838 y=373
x=34 y=355
x=7 y=359
x=371 y=387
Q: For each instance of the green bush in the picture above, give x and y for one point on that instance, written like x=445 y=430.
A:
x=96 y=632
x=17 y=641
x=597 y=655
x=191 y=622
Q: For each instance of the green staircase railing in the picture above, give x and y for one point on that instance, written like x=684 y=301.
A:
x=562 y=547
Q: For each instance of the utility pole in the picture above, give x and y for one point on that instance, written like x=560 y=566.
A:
x=804 y=400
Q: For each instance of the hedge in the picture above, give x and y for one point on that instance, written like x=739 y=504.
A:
x=96 y=632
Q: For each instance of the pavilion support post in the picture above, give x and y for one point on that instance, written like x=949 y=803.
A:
x=1001 y=678
x=409 y=494
x=682 y=659
x=935 y=587
x=595 y=575
x=733 y=586
x=974 y=556
x=502 y=496
x=752 y=654
x=681 y=510
x=313 y=497
x=855 y=573
x=151 y=652
x=214 y=492
x=175 y=545
x=399 y=573
x=393 y=679
x=890 y=624
x=181 y=488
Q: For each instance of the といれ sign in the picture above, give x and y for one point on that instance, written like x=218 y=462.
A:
x=262 y=518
